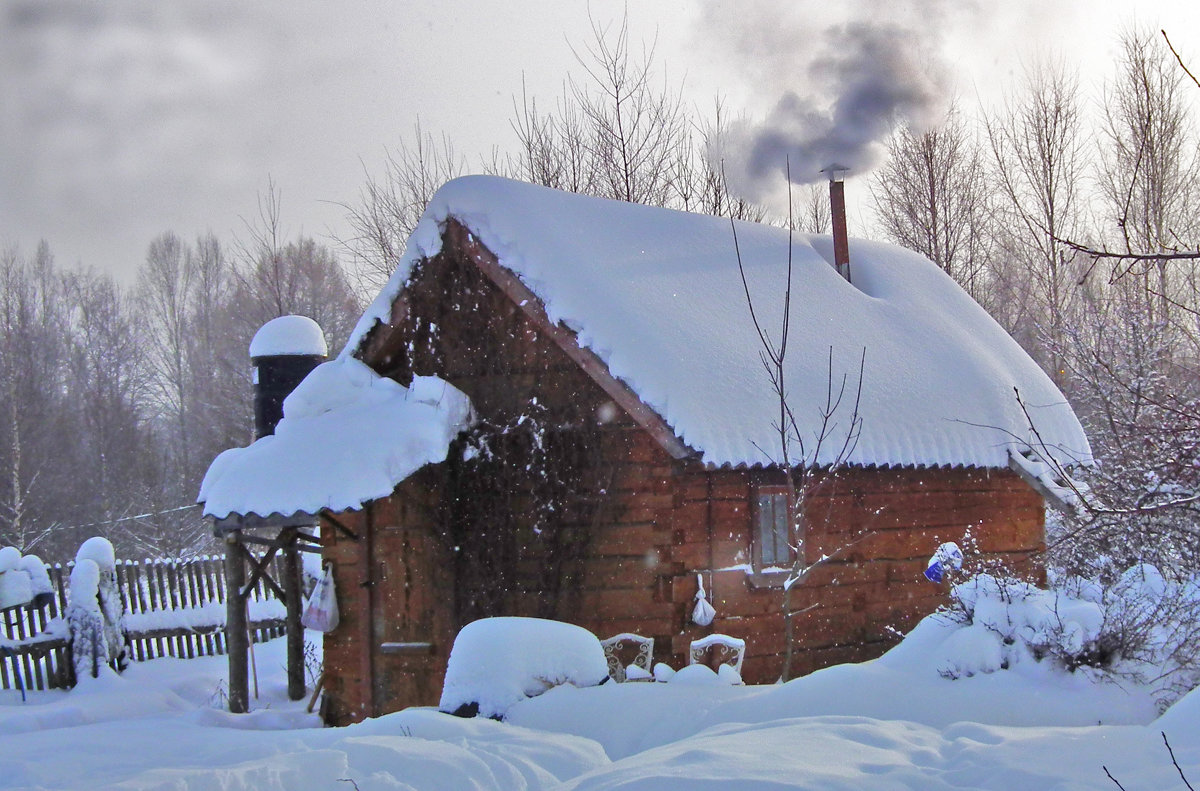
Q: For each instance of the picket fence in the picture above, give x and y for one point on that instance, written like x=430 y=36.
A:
x=155 y=588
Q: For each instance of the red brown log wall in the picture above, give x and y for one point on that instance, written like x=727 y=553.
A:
x=665 y=520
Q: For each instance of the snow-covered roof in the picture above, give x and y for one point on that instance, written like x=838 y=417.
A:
x=656 y=294
x=347 y=436
x=289 y=335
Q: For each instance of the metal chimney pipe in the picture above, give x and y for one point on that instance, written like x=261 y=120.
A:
x=837 y=211
x=283 y=352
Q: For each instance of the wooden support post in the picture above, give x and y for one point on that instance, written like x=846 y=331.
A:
x=237 y=640
x=295 y=630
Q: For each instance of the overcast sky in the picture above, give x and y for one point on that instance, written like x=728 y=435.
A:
x=119 y=120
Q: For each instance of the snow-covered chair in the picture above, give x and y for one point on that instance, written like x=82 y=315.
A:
x=618 y=647
x=721 y=648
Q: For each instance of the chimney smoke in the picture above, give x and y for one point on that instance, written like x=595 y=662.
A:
x=860 y=80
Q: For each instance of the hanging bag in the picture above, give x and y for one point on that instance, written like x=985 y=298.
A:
x=321 y=610
x=703 y=613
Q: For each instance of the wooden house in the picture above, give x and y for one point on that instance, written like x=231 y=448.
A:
x=622 y=442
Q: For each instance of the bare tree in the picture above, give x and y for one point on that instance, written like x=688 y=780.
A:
x=1131 y=350
x=1141 y=411
x=70 y=382
x=1040 y=161
x=107 y=385
x=1148 y=174
x=615 y=132
x=633 y=128
x=217 y=351
x=802 y=454
x=165 y=285
x=390 y=205
x=302 y=277
x=932 y=196
x=553 y=146
x=814 y=213
x=30 y=351
x=704 y=174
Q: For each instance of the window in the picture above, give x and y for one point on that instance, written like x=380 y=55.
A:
x=771 y=527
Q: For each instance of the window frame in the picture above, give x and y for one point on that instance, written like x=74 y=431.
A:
x=759 y=531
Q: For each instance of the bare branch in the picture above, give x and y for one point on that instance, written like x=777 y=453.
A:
x=1172 y=752
x=1182 y=65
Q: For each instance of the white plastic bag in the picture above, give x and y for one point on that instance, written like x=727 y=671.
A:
x=321 y=609
x=703 y=613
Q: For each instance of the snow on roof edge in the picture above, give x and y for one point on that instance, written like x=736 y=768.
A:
x=528 y=227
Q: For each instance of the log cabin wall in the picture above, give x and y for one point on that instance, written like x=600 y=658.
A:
x=638 y=525
x=599 y=558
x=589 y=536
x=885 y=522
x=393 y=579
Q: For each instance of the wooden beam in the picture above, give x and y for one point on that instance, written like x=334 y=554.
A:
x=295 y=630
x=1053 y=498
x=255 y=522
x=271 y=542
x=383 y=344
x=328 y=517
x=260 y=572
x=237 y=639
x=260 y=541
x=406 y=649
x=368 y=562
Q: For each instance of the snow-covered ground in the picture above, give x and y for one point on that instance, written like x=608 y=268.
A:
x=892 y=723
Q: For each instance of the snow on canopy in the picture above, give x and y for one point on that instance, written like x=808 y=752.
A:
x=288 y=335
x=347 y=436
x=656 y=294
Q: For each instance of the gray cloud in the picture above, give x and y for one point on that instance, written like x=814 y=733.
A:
x=120 y=120
x=857 y=80
x=113 y=105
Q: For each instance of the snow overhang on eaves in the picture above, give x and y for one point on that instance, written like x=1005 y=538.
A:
x=653 y=296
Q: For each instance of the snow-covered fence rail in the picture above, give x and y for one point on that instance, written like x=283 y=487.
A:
x=30 y=650
x=173 y=608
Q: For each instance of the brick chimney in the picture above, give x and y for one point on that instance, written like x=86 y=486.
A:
x=837 y=211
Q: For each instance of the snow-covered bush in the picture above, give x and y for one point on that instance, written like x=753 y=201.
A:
x=100 y=551
x=23 y=579
x=1152 y=629
x=16 y=587
x=496 y=662
x=85 y=621
x=1006 y=620
x=39 y=579
x=1143 y=626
